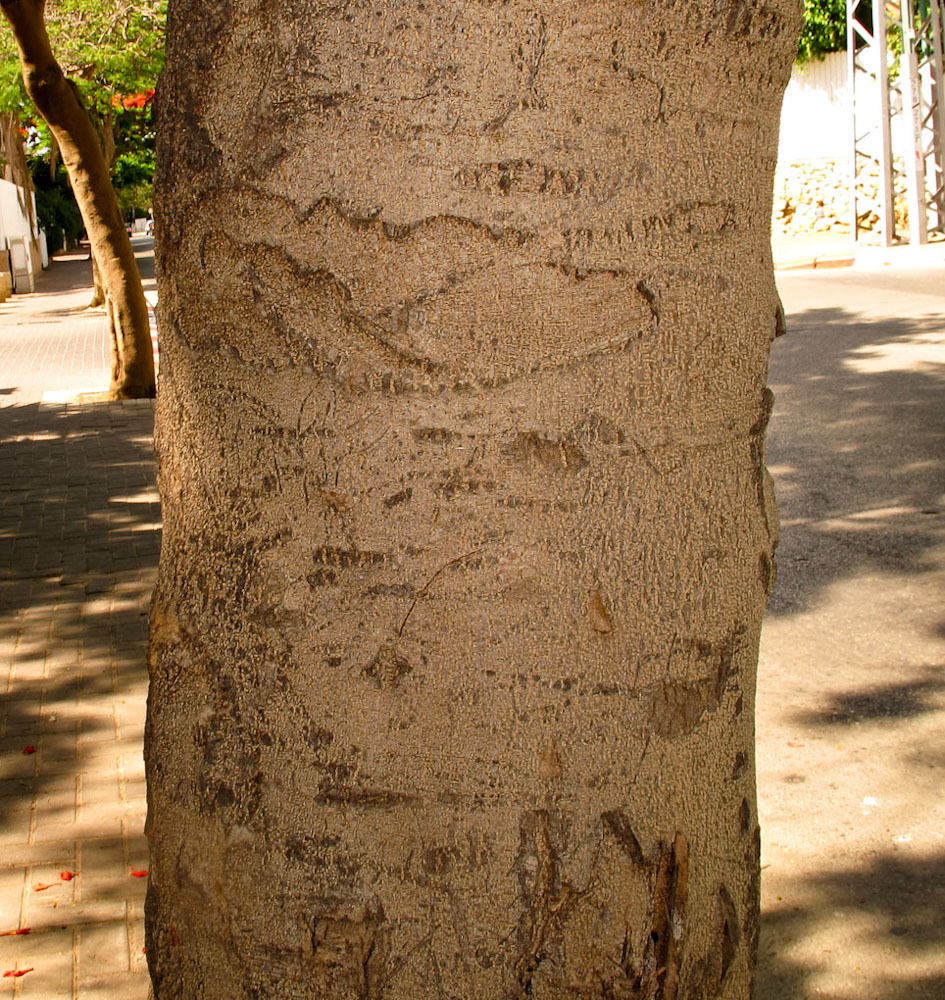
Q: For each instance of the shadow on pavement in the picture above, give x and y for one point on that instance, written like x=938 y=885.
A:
x=79 y=542
x=857 y=449
x=899 y=902
x=892 y=702
x=856 y=446
x=67 y=273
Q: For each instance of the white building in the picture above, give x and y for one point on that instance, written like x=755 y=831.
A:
x=22 y=245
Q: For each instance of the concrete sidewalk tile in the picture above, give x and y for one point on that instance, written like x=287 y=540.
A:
x=96 y=790
x=21 y=725
x=127 y=986
x=136 y=945
x=56 y=855
x=45 y=940
x=61 y=652
x=132 y=827
x=57 y=726
x=12 y=789
x=47 y=894
x=103 y=859
x=103 y=949
x=98 y=730
x=16 y=825
x=55 y=802
x=15 y=763
x=79 y=541
x=12 y=887
x=29 y=668
x=132 y=766
x=52 y=976
x=131 y=711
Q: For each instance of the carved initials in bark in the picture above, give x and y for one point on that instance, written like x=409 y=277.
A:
x=349 y=950
x=664 y=953
x=550 y=899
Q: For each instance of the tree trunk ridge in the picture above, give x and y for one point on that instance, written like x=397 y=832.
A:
x=466 y=314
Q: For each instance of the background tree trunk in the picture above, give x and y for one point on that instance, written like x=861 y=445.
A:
x=98 y=299
x=58 y=101
x=466 y=313
x=15 y=166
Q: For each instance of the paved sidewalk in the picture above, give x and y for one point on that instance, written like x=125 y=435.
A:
x=79 y=540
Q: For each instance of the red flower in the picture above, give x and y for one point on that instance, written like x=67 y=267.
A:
x=139 y=872
x=30 y=749
x=67 y=876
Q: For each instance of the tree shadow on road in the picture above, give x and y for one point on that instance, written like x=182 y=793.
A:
x=857 y=449
x=892 y=905
x=894 y=701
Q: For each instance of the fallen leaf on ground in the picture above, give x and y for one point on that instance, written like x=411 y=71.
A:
x=139 y=872
x=19 y=930
x=16 y=973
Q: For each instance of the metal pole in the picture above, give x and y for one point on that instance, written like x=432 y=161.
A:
x=915 y=157
x=887 y=193
x=937 y=117
x=868 y=62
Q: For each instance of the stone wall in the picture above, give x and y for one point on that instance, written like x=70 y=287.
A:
x=813 y=196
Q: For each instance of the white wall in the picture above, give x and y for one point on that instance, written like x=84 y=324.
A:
x=13 y=221
x=17 y=235
x=815 y=116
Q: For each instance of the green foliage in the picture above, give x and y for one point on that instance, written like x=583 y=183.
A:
x=108 y=48
x=825 y=29
x=113 y=50
x=56 y=209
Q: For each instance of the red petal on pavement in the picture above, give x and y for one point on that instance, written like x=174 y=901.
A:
x=791 y=743
x=16 y=973
x=19 y=930
x=67 y=876
x=40 y=886
x=139 y=872
x=30 y=749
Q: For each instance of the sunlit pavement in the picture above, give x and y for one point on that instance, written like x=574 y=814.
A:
x=79 y=539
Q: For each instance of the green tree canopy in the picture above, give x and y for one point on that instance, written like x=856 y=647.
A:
x=106 y=48
x=113 y=52
x=825 y=29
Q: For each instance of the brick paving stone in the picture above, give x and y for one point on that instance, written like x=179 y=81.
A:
x=79 y=540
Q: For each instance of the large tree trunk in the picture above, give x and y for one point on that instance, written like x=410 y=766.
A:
x=58 y=101
x=466 y=313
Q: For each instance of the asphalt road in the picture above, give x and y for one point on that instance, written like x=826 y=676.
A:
x=851 y=697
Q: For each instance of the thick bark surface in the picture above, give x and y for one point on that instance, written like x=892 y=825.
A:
x=59 y=103
x=466 y=313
